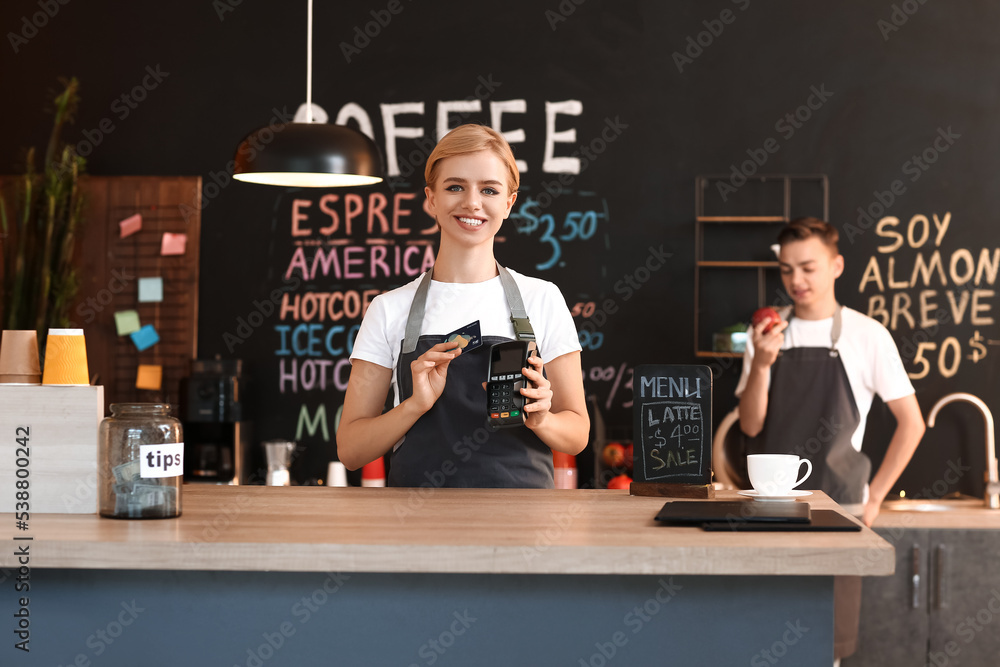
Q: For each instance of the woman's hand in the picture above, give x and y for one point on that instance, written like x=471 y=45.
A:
x=540 y=393
x=429 y=371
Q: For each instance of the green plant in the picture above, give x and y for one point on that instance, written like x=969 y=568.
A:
x=38 y=237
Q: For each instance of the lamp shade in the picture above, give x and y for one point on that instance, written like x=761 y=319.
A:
x=312 y=155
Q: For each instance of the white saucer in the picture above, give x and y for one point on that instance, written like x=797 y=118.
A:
x=789 y=497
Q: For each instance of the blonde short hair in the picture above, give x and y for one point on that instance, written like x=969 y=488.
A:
x=472 y=138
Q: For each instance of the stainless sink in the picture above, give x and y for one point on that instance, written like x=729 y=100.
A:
x=933 y=505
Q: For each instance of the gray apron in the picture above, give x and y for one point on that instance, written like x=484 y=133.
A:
x=811 y=413
x=451 y=445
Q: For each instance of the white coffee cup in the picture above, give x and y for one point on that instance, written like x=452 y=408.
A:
x=775 y=474
x=336 y=474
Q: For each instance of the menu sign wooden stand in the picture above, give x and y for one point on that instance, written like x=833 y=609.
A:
x=672 y=417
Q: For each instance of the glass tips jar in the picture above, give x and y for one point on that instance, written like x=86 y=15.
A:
x=140 y=462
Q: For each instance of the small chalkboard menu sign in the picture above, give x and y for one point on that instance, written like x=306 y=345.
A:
x=672 y=415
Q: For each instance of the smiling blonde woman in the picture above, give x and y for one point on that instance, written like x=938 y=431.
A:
x=436 y=430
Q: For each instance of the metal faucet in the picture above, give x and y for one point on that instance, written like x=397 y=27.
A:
x=992 y=496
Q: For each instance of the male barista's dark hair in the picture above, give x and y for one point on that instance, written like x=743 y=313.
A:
x=801 y=229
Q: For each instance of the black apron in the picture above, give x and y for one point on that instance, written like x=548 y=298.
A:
x=451 y=445
x=811 y=413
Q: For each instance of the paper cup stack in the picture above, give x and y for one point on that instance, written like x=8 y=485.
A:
x=66 y=358
x=19 y=358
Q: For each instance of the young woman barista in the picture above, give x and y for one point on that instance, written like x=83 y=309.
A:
x=437 y=428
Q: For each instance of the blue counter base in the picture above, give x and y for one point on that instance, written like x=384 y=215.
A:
x=257 y=619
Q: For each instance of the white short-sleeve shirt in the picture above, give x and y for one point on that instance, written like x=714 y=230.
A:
x=453 y=305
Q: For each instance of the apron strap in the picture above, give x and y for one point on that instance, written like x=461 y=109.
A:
x=835 y=331
x=518 y=316
x=415 y=319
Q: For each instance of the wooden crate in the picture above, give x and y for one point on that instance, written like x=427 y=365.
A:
x=62 y=427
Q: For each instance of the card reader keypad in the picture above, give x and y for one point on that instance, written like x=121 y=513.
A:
x=505 y=400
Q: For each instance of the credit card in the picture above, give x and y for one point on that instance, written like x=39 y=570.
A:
x=469 y=337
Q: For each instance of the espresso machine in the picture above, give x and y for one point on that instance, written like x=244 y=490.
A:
x=216 y=439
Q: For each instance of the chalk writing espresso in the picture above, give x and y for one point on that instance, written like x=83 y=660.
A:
x=672 y=413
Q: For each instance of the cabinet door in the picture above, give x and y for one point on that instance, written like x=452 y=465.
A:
x=894 y=617
x=965 y=598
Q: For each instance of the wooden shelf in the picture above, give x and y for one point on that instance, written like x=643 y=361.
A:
x=741 y=218
x=742 y=223
x=737 y=265
x=718 y=355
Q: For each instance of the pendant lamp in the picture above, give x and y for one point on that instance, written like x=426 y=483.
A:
x=309 y=154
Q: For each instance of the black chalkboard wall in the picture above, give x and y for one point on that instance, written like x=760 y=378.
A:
x=614 y=108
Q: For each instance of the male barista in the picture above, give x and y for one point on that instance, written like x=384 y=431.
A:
x=808 y=383
x=807 y=386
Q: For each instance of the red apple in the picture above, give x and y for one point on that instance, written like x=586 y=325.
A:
x=620 y=482
x=768 y=315
x=613 y=455
x=628 y=456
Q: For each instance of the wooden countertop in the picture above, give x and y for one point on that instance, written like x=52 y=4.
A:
x=965 y=515
x=317 y=529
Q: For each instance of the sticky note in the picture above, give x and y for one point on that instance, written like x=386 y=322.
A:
x=130 y=225
x=173 y=244
x=145 y=337
x=150 y=290
x=126 y=322
x=149 y=377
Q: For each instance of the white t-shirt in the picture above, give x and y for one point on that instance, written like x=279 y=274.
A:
x=453 y=305
x=867 y=351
